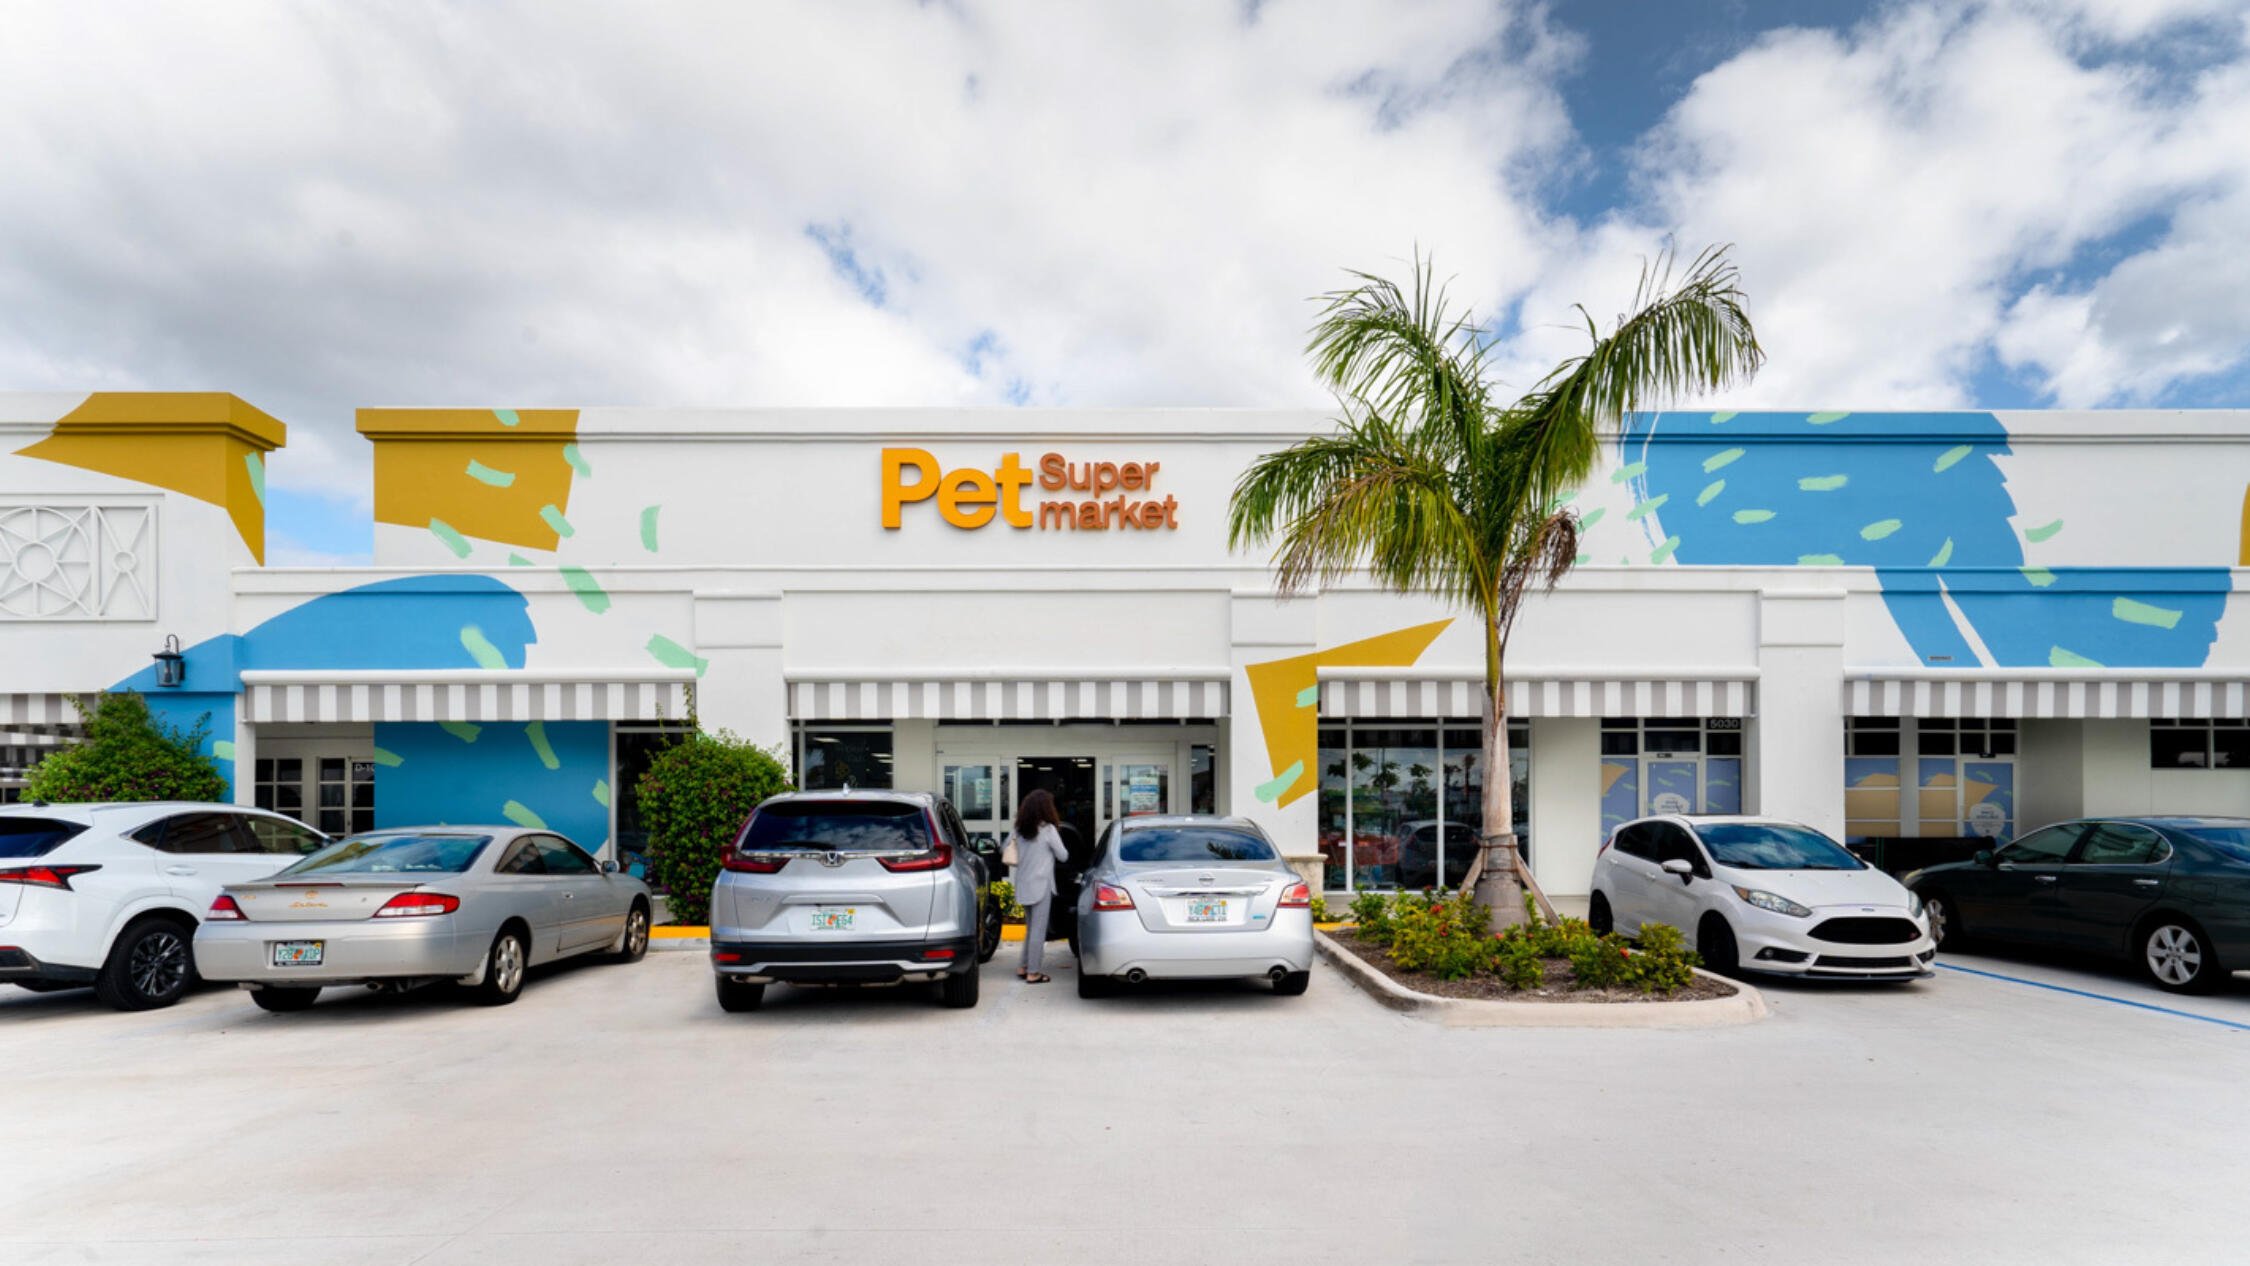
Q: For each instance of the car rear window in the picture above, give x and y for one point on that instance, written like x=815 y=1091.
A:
x=840 y=826
x=33 y=837
x=393 y=855
x=1192 y=844
x=2234 y=841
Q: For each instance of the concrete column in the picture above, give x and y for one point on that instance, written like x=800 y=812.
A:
x=1566 y=803
x=743 y=689
x=246 y=756
x=914 y=755
x=1796 y=756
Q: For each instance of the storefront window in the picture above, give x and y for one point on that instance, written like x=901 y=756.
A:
x=1669 y=765
x=830 y=759
x=1401 y=806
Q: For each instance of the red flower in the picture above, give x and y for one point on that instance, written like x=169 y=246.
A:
x=1622 y=952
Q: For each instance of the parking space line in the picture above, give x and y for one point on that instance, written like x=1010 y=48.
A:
x=2099 y=997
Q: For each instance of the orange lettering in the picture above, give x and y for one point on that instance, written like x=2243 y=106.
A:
x=1051 y=476
x=966 y=497
x=897 y=494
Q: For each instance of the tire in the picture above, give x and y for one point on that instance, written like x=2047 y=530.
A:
x=1293 y=985
x=990 y=918
x=1092 y=986
x=634 y=943
x=282 y=998
x=1945 y=920
x=150 y=966
x=959 y=990
x=1714 y=940
x=736 y=997
x=2176 y=956
x=505 y=966
x=1598 y=916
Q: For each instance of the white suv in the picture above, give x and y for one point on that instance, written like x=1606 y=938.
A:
x=109 y=895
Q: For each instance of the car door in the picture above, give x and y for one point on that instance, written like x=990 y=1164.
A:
x=1633 y=875
x=2018 y=897
x=520 y=879
x=204 y=851
x=1672 y=898
x=587 y=914
x=2117 y=873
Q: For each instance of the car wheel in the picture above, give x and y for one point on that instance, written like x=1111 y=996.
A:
x=1598 y=916
x=737 y=996
x=633 y=947
x=958 y=990
x=284 y=997
x=1714 y=940
x=1945 y=923
x=990 y=919
x=1293 y=984
x=149 y=967
x=1092 y=986
x=504 y=967
x=2177 y=956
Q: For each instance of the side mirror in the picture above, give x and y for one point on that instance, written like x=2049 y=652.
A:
x=1680 y=866
x=1985 y=858
x=609 y=866
x=984 y=847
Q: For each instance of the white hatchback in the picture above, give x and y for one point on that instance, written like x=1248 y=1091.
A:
x=1761 y=894
x=109 y=895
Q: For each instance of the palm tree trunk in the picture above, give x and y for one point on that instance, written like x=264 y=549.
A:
x=1499 y=886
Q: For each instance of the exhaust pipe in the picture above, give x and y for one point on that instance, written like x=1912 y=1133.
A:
x=1135 y=976
x=1276 y=974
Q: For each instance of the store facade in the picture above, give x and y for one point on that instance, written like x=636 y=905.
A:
x=1881 y=624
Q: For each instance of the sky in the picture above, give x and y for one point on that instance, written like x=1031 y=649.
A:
x=1934 y=203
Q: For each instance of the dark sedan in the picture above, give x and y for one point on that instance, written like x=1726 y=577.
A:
x=2170 y=894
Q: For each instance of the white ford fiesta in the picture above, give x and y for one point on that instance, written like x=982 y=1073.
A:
x=1759 y=894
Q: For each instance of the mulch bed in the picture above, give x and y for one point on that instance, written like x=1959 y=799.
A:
x=1556 y=988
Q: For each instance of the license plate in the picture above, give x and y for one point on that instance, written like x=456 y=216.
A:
x=1207 y=910
x=833 y=918
x=297 y=953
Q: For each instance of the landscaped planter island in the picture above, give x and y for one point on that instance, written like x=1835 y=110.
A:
x=1434 y=956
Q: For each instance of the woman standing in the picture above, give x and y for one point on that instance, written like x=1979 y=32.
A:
x=1038 y=846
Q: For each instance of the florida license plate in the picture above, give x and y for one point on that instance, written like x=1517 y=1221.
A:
x=833 y=918
x=297 y=953
x=1207 y=910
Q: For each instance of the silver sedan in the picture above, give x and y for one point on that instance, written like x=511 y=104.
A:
x=1192 y=897
x=476 y=905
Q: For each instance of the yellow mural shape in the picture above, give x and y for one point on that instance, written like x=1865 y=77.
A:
x=493 y=474
x=208 y=445
x=1287 y=695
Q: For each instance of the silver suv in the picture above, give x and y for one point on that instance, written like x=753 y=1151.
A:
x=853 y=888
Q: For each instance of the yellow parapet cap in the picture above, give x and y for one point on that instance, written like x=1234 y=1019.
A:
x=468 y=475
x=210 y=445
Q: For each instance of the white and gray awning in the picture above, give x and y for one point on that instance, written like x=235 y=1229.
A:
x=2050 y=693
x=846 y=697
x=476 y=695
x=38 y=712
x=1372 y=694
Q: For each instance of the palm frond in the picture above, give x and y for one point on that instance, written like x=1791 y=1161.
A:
x=1406 y=356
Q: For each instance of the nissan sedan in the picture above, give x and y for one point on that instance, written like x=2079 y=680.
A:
x=1192 y=898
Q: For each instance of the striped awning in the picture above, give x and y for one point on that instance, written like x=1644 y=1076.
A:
x=1355 y=696
x=39 y=712
x=2053 y=694
x=466 y=696
x=1008 y=699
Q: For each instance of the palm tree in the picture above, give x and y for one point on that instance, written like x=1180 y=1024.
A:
x=1436 y=485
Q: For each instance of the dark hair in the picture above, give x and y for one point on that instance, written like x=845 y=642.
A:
x=1038 y=810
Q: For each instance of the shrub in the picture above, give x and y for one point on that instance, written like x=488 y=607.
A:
x=128 y=755
x=694 y=798
x=1661 y=961
x=1600 y=962
x=1319 y=907
x=1004 y=892
x=1371 y=912
x=1448 y=937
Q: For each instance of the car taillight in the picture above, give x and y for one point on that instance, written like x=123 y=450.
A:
x=1297 y=897
x=1111 y=897
x=416 y=905
x=752 y=863
x=224 y=910
x=939 y=857
x=43 y=876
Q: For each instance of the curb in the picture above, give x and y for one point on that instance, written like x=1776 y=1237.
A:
x=1746 y=1006
x=678 y=938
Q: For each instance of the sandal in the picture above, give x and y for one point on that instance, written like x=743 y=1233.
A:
x=1037 y=978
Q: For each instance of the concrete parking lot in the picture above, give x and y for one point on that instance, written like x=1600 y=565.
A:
x=616 y=1115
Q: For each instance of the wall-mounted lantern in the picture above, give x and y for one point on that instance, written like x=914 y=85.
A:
x=171 y=666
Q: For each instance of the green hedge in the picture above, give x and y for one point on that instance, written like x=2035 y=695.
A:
x=694 y=797
x=128 y=755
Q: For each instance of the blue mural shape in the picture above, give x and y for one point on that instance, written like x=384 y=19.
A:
x=550 y=774
x=1919 y=498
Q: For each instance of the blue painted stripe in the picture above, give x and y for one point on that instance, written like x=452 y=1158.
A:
x=2099 y=997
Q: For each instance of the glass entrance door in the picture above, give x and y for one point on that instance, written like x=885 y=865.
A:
x=978 y=788
x=1136 y=784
